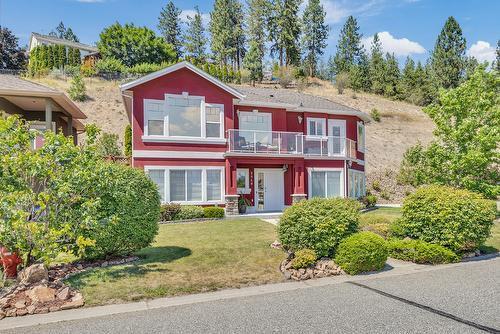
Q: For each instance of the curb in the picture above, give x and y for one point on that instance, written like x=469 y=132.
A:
x=399 y=268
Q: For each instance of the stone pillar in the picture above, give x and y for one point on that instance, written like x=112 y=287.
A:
x=298 y=197
x=232 y=205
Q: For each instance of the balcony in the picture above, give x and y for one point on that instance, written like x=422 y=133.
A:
x=289 y=144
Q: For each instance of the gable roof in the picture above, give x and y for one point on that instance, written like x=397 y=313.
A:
x=57 y=40
x=295 y=101
x=176 y=67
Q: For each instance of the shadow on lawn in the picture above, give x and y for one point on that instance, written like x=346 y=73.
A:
x=151 y=259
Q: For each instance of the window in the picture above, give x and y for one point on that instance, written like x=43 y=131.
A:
x=316 y=127
x=361 y=137
x=190 y=185
x=325 y=183
x=183 y=116
x=155 y=117
x=242 y=181
x=214 y=119
x=257 y=121
x=357 y=183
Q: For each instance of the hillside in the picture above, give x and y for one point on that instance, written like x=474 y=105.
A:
x=401 y=126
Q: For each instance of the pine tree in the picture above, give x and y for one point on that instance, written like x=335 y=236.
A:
x=315 y=34
x=253 y=62
x=169 y=24
x=448 y=56
x=392 y=76
x=470 y=65
x=257 y=17
x=194 y=39
x=70 y=36
x=227 y=31
x=408 y=79
x=497 y=61
x=284 y=31
x=349 y=46
x=377 y=66
x=364 y=71
x=65 y=33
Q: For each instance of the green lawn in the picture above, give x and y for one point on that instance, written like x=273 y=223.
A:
x=391 y=213
x=189 y=258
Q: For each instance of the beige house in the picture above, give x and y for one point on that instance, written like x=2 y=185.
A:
x=45 y=107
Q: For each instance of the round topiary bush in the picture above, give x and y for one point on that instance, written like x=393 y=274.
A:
x=318 y=224
x=129 y=210
x=362 y=252
x=457 y=219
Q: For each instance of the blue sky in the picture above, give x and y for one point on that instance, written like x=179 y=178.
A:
x=406 y=27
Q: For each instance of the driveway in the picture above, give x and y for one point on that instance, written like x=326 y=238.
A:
x=461 y=298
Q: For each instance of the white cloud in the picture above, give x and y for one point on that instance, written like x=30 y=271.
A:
x=482 y=51
x=205 y=17
x=338 y=10
x=398 y=46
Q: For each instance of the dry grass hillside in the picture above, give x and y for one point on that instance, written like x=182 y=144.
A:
x=401 y=126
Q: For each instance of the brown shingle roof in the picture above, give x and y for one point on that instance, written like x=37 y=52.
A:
x=15 y=83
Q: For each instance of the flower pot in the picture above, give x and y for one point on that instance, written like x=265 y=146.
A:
x=242 y=208
x=9 y=261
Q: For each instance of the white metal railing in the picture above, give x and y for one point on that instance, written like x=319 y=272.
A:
x=289 y=143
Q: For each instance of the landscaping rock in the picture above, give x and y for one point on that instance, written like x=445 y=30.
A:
x=63 y=294
x=276 y=245
x=42 y=310
x=324 y=267
x=31 y=309
x=2 y=315
x=21 y=303
x=34 y=274
x=21 y=312
x=54 y=308
x=41 y=294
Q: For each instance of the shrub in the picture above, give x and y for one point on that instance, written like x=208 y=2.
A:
x=453 y=218
x=129 y=209
x=110 y=65
x=304 y=258
x=189 y=212
x=168 y=211
x=71 y=70
x=87 y=71
x=342 y=81
x=213 y=212
x=396 y=229
x=419 y=251
x=77 y=90
x=375 y=114
x=128 y=141
x=318 y=224
x=375 y=223
x=376 y=185
x=145 y=68
x=385 y=195
x=369 y=200
x=362 y=252
x=107 y=145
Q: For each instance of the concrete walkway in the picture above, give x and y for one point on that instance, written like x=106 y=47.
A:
x=393 y=269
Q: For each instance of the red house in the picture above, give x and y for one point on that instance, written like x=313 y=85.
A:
x=204 y=142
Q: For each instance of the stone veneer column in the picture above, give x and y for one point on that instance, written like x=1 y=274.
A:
x=298 y=197
x=232 y=205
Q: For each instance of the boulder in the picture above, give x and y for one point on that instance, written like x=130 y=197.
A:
x=21 y=303
x=34 y=274
x=41 y=294
x=2 y=315
x=21 y=312
x=63 y=294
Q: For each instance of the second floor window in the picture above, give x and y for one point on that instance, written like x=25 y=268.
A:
x=316 y=127
x=183 y=116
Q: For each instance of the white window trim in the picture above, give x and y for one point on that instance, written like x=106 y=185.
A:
x=203 y=169
x=245 y=190
x=322 y=121
x=315 y=169
x=361 y=148
x=253 y=113
x=183 y=139
x=351 y=177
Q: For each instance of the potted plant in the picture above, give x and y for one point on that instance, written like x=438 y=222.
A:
x=243 y=202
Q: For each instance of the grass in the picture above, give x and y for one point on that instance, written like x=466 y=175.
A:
x=390 y=213
x=189 y=258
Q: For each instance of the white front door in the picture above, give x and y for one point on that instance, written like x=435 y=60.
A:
x=269 y=189
x=336 y=137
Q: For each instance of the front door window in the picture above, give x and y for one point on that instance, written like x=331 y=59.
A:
x=260 y=191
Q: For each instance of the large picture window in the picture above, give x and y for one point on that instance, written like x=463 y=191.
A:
x=193 y=185
x=183 y=116
x=326 y=183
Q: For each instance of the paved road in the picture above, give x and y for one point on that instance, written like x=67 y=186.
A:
x=460 y=299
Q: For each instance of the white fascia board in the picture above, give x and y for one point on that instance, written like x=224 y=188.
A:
x=177 y=154
x=178 y=66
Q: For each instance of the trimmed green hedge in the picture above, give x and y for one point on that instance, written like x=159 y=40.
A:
x=304 y=258
x=457 y=219
x=362 y=252
x=213 y=212
x=319 y=224
x=375 y=223
x=419 y=251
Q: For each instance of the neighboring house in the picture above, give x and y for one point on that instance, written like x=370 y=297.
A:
x=207 y=143
x=44 y=107
x=39 y=39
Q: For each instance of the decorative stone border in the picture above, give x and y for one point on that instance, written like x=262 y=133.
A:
x=324 y=267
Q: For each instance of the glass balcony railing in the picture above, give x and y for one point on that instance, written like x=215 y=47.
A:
x=289 y=143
